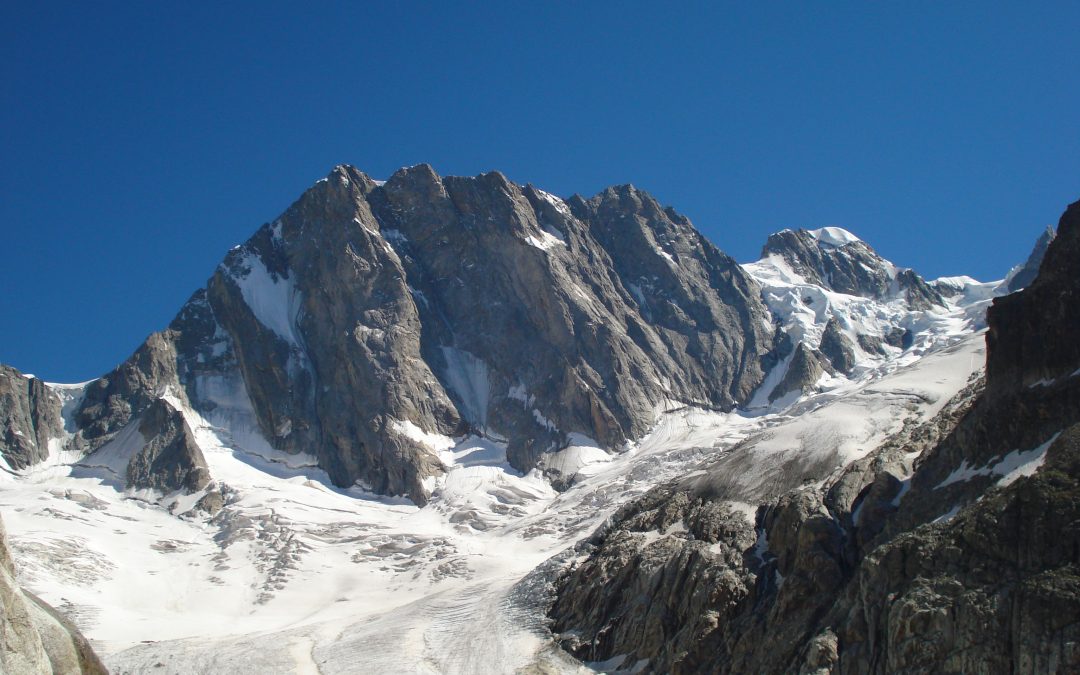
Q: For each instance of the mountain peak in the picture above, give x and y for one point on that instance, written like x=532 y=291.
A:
x=1021 y=276
x=834 y=258
x=833 y=236
x=429 y=302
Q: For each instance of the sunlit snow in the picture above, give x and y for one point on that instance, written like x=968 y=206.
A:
x=833 y=236
x=296 y=574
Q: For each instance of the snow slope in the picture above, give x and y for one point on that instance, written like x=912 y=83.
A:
x=803 y=309
x=295 y=575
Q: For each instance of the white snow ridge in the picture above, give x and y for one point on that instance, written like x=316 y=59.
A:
x=833 y=236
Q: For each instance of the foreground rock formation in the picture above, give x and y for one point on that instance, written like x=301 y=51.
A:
x=34 y=638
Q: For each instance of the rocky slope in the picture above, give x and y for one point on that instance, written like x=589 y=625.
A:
x=373 y=321
x=952 y=547
x=34 y=638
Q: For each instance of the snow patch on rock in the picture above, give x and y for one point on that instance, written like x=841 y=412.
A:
x=1013 y=466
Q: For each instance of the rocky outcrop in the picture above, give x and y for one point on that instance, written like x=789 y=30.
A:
x=30 y=415
x=111 y=402
x=919 y=294
x=836 y=347
x=804 y=370
x=34 y=638
x=171 y=459
x=965 y=562
x=666 y=557
x=901 y=338
x=995 y=589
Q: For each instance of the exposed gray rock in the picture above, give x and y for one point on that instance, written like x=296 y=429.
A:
x=901 y=338
x=211 y=503
x=34 y=638
x=699 y=301
x=784 y=571
x=805 y=369
x=995 y=589
x=170 y=460
x=1032 y=336
x=30 y=415
x=667 y=556
x=871 y=343
x=836 y=347
x=111 y=402
x=919 y=294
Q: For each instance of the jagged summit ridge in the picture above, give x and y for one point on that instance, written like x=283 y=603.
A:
x=1021 y=276
x=373 y=319
x=374 y=324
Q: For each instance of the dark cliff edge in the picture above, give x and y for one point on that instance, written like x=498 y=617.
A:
x=970 y=564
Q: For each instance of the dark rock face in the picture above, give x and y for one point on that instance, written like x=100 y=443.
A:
x=326 y=336
x=805 y=369
x=849 y=266
x=901 y=338
x=34 y=638
x=368 y=312
x=111 y=402
x=963 y=567
x=646 y=571
x=1033 y=335
x=472 y=304
x=871 y=343
x=997 y=589
x=170 y=460
x=696 y=298
x=836 y=347
x=30 y=415
x=779 y=573
x=1026 y=273
x=919 y=294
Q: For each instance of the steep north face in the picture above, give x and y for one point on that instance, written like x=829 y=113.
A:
x=371 y=320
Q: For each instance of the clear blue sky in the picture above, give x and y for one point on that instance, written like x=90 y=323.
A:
x=141 y=140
